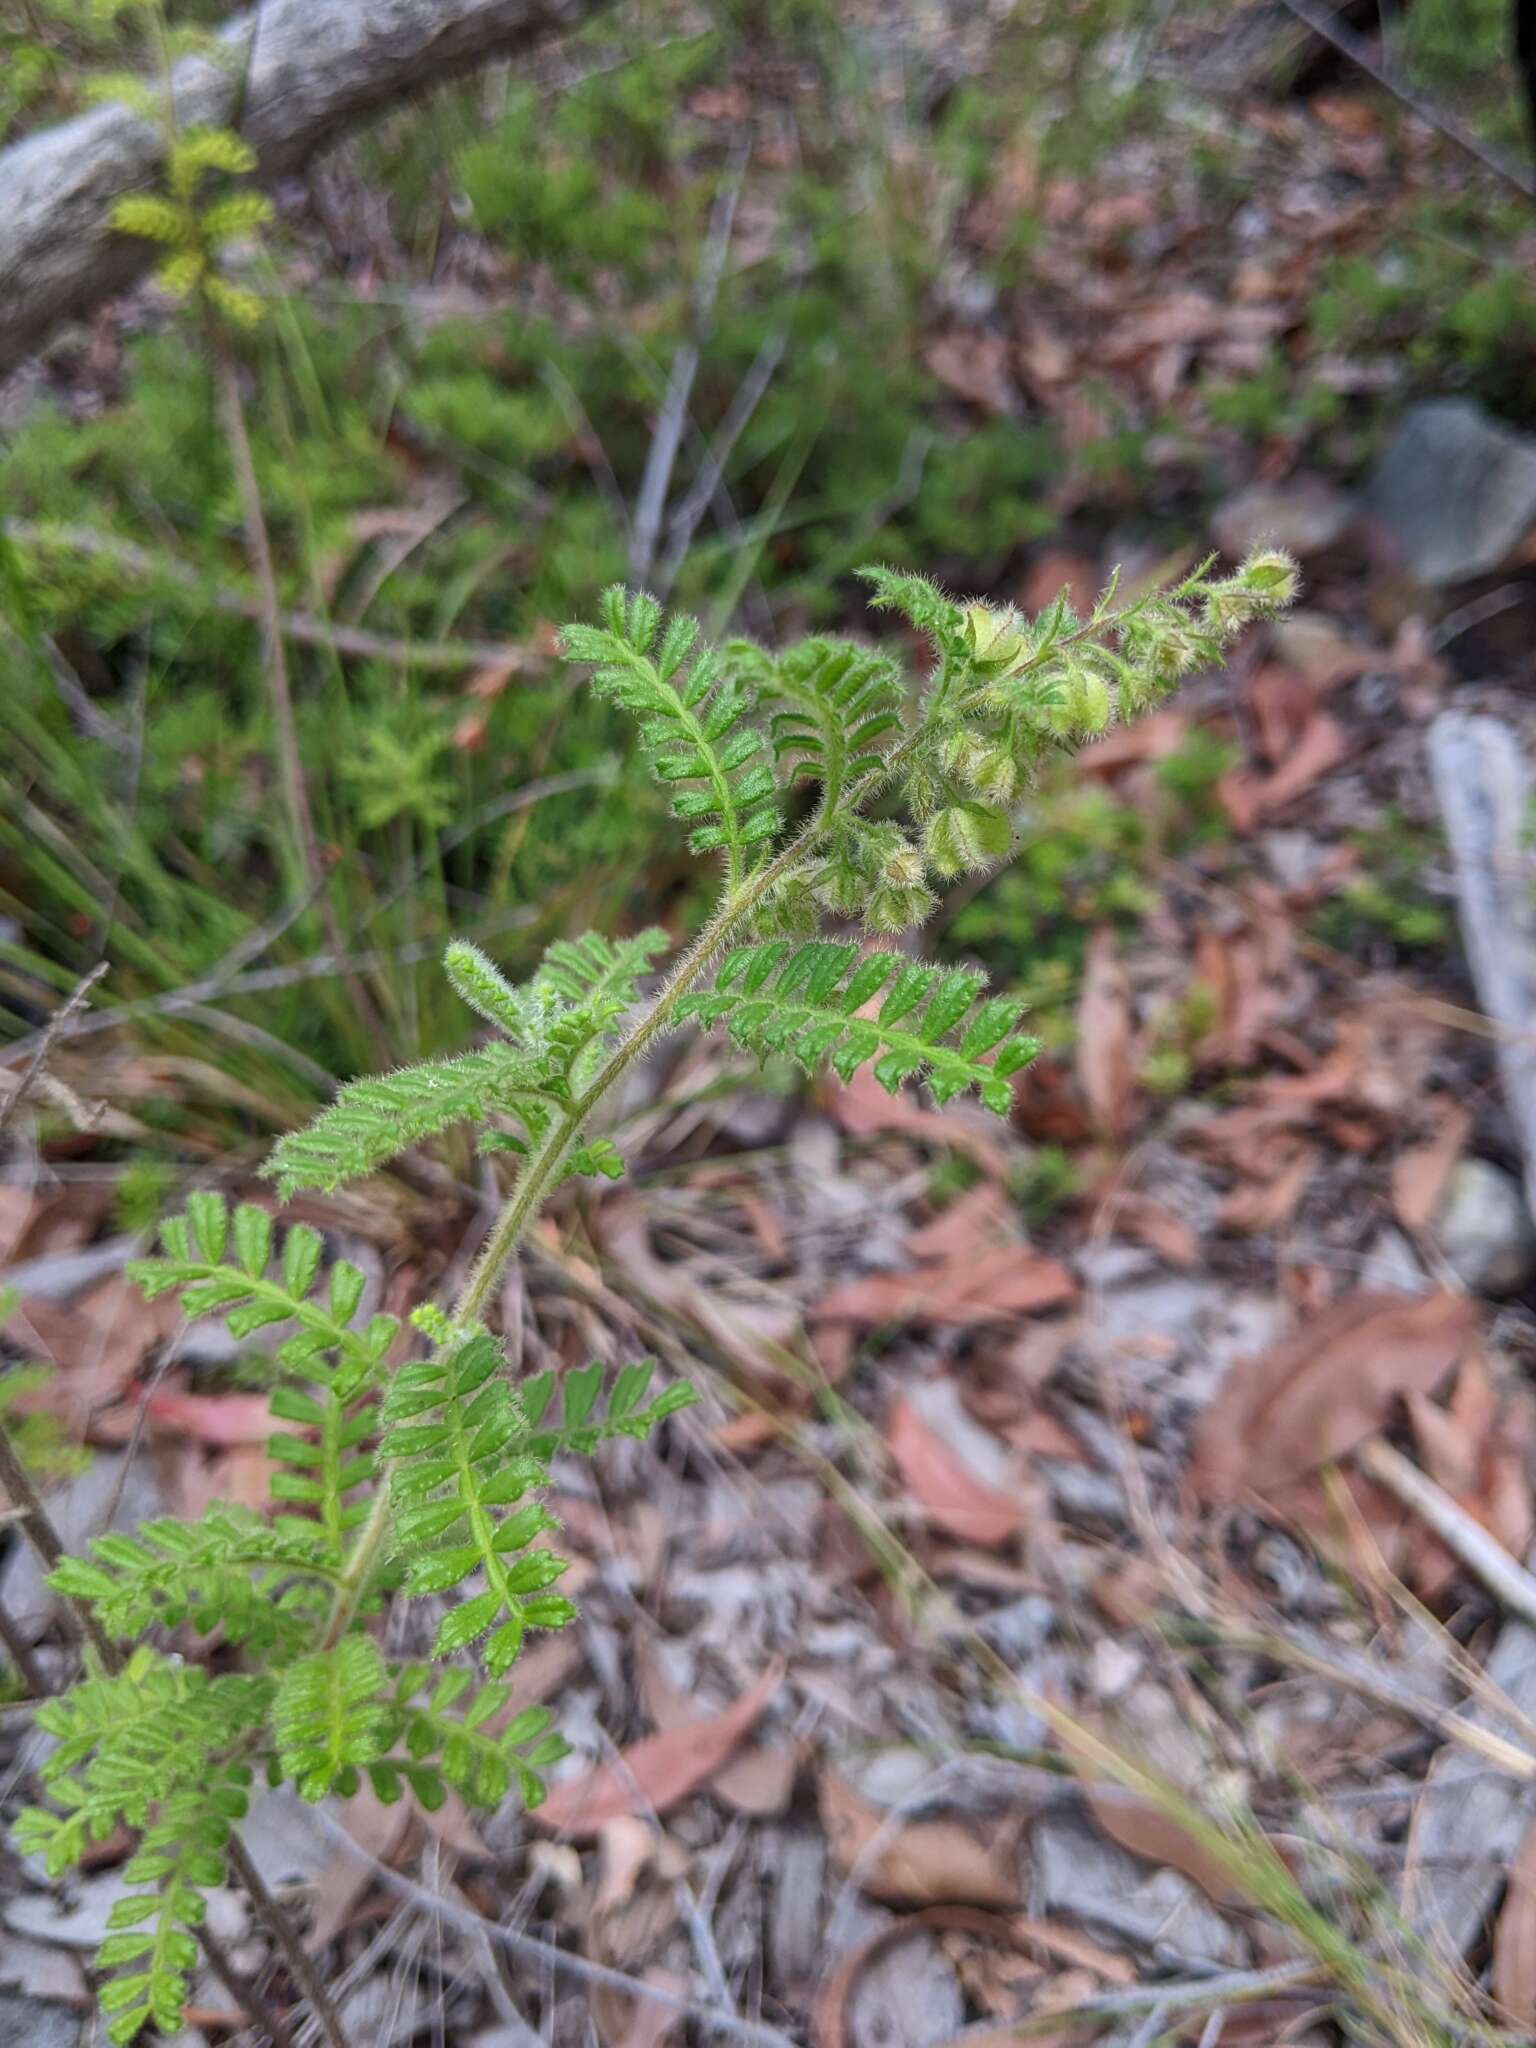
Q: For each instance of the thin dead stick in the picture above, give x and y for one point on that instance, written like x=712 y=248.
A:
x=20 y=1652
x=1229 y=1988
x=662 y=454
x=301 y=1964
x=532 y=1949
x=240 y=1988
x=1348 y=44
x=1509 y=1582
x=684 y=523
x=44 y=1538
x=1306 y=1653
x=275 y=660
x=300 y=626
x=56 y=1027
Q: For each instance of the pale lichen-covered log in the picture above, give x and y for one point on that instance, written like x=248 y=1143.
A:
x=300 y=72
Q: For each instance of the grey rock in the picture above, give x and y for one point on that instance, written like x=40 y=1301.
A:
x=60 y=1276
x=79 y=1917
x=1083 y=1876
x=110 y=1493
x=1020 y=1627
x=286 y=1839
x=909 y=1997
x=1484 y=1229
x=1088 y=1879
x=1391 y=1265
x=797 y=1862
x=1455 y=490
x=38 y=2024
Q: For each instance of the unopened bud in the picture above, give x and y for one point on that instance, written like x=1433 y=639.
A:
x=994 y=635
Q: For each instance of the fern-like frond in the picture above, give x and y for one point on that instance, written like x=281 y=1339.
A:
x=803 y=1001
x=467 y=1459
x=563 y=1017
x=256 y=1291
x=372 y=1120
x=693 y=714
x=840 y=705
x=230 y=1571
x=586 y=1417
x=598 y=974
x=463 y=1736
x=150 y=1941
x=127 y=1742
x=461 y=1479
x=332 y=1715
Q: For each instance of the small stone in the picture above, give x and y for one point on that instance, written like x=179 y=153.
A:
x=1455 y=491
x=1081 y=1876
x=909 y=1997
x=1305 y=515
x=1391 y=1264
x=38 y=2024
x=1484 y=1230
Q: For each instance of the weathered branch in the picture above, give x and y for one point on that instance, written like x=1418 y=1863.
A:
x=300 y=73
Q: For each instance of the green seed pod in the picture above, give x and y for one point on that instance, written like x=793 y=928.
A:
x=1270 y=576
x=994 y=635
x=789 y=911
x=890 y=909
x=966 y=837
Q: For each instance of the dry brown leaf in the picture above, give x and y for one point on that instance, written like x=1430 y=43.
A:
x=221 y=1419
x=1514 y=1939
x=974 y=366
x=1320 y=1391
x=863 y=1109
x=380 y=1831
x=757 y=1780
x=1105 y=1072
x=1157 y=1838
x=626 y=1844
x=1271 y=1205
x=655 y=1774
x=989 y=1286
x=952 y=1497
x=1058 y=570
x=651 y=2021
x=919 y=1862
x=1151 y=738
x=983 y=1216
x=1420 y=1172
x=1150 y=1222
x=1069 y=1945
x=1247 y=798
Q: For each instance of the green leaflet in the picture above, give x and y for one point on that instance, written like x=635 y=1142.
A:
x=127 y=1742
x=835 y=706
x=555 y=1027
x=803 y=1001
x=454 y=1732
x=461 y=1479
x=318 y=1466
x=330 y=1717
x=372 y=1120
x=260 y=1585
x=693 y=715
x=466 y=1461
